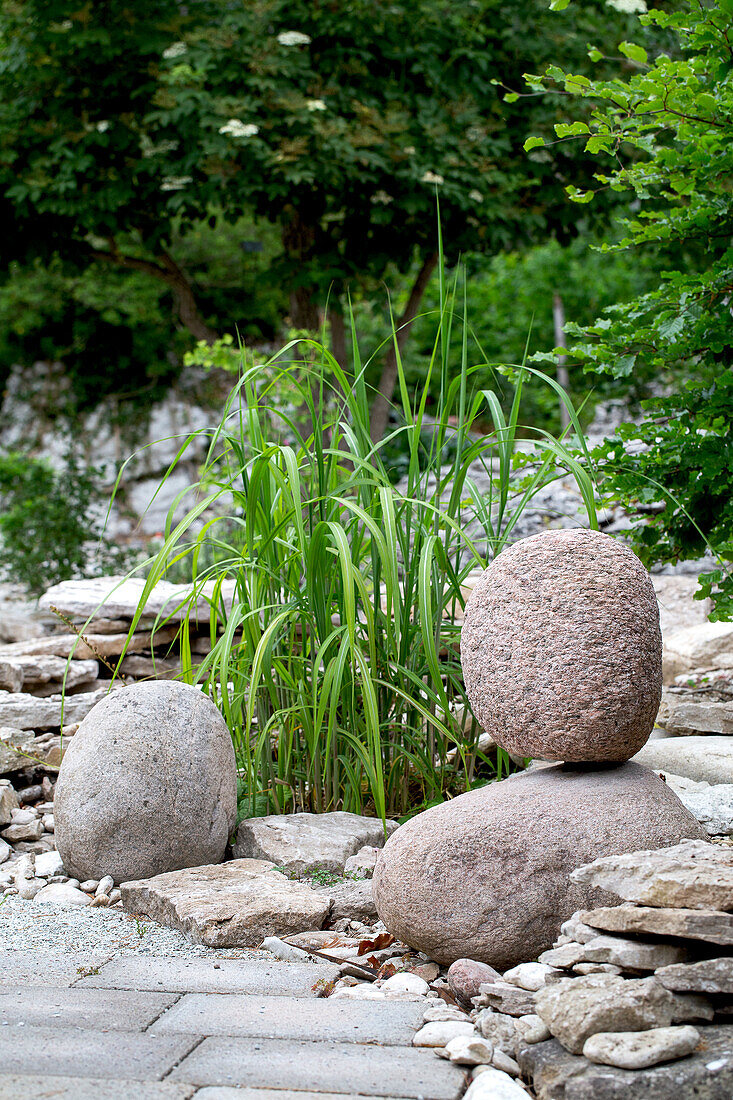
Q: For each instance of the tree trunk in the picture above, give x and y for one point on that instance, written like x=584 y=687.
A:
x=338 y=335
x=381 y=405
x=558 y=316
x=171 y=274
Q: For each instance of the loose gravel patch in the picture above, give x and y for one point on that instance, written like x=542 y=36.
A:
x=28 y=926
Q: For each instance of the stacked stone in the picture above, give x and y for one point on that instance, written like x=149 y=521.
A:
x=562 y=661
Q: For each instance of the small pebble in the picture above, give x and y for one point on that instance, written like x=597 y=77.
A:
x=532 y=1029
x=105 y=885
x=506 y=1064
x=469 y=1050
x=89 y=886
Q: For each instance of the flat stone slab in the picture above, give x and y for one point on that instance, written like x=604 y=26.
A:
x=711 y=803
x=224 y=1092
x=706 y=758
x=690 y=924
x=706 y=1074
x=107 y=1054
x=234 y=904
x=302 y=842
x=118 y=597
x=90 y=1088
x=106 y=645
x=321 y=1067
x=32 y=968
x=342 y=1021
x=691 y=875
x=100 y=1009
x=708 y=976
x=263 y=976
x=29 y=712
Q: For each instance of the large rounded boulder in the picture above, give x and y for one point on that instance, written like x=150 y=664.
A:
x=486 y=875
x=561 y=649
x=147 y=785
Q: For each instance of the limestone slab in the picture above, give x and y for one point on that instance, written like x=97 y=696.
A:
x=702 y=646
x=234 y=904
x=707 y=976
x=259 y=976
x=690 y=875
x=576 y=1008
x=690 y=924
x=706 y=758
x=118 y=597
x=684 y=714
x=390 y=1024
x=105 y=645
x=712 y=804
x=706 y=1074
x=321 y=1067
x=632 y=954
x=304 y=842
x=64 y=1051
x=97 y=1009
x=29 y=712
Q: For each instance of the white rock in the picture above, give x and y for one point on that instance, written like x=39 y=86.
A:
x=506 y=1064
x=105 y=885
x=22 y=817
x=530 y=976
x=15 y=744
x=443 y=1011
x=5 y=850
x=28 y=888
x=704 y=646
x=363 y=992
x=406 y=983
x=500 y=1029
x=29 y=712
x=532 y=1029
x=48 y=822
x=363 y=862
x=89 y=885
x=15 y=832
x=564 y=957
x=576 y=931
x=469 y=1050
x=440 y=1033
x=705 y=758
x=63 y=894
x=492 y=1084
x=639 y=1049
x=712 y=804
x=8 y=802
x=49 y=864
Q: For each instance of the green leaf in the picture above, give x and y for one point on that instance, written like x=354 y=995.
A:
x=559 y=5
x=533 y=143
x=594 y=54
x=635 y=53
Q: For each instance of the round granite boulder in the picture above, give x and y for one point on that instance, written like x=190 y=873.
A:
x=486 y=875
x=147 y=785
x=561 y=649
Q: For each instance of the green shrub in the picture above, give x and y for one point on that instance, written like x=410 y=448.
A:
x=335 y=658
x=46 y=534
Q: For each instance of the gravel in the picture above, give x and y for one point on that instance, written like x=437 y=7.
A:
x=28 y=926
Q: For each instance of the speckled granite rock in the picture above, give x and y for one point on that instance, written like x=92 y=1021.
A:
x=561 y=649
x=147 y=785
x=485 y=875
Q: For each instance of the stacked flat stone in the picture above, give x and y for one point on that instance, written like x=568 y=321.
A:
x=562 y=661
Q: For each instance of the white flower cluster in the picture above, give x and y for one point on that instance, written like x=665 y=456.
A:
x=628 y=7
x=177 y=49
x=382 y=198
x=431 y=177
x=103 y=126
x=239 y=129
x=175 y=183
x=293 y=38
x=315 y=104
x=475 y=195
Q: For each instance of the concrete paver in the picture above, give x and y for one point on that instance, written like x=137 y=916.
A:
x=321 y=1067
x=206 y=975
x=390 y=1024
x=75 y=1051
x=100 y=1009
x=22 y=968
x=88 y=1088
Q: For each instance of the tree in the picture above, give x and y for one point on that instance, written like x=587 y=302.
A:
x=666 y=131
x=338 y=120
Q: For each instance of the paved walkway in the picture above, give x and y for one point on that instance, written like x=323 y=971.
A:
x=80 y=1027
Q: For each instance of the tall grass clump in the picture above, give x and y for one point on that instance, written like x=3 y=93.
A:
x=335 y=597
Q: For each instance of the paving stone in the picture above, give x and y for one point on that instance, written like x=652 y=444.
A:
x=291 y=1018
x=224 y=1092
x=690 y=924
x=105 y=1054
x=262 y=976
x=90 y=1088
x=24 y=968
x=101 y=1009
x=321 y=1067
